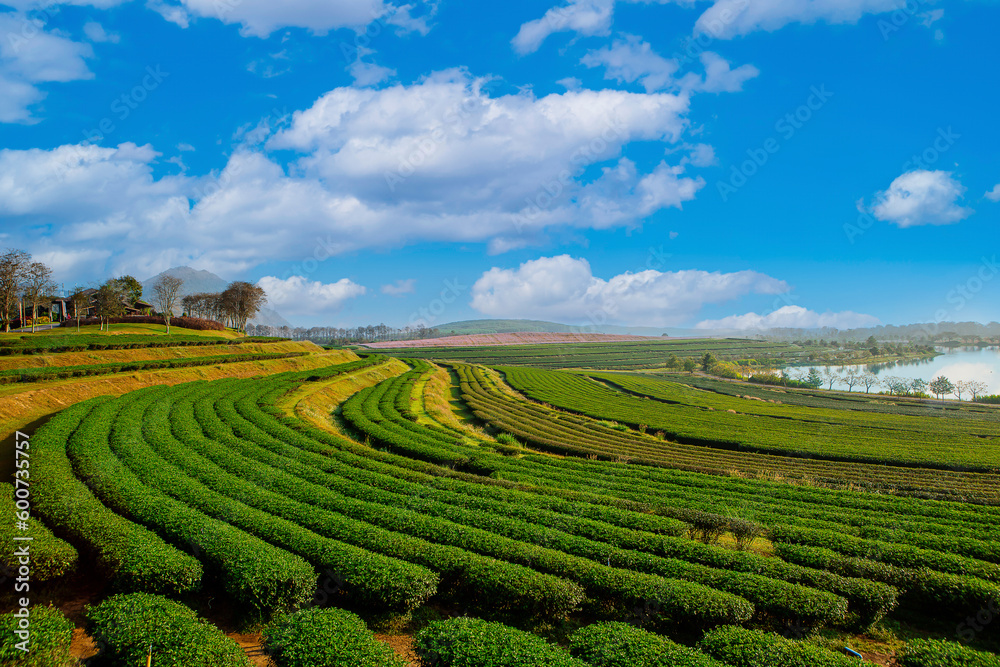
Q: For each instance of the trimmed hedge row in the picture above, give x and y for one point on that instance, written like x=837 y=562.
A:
x=682 y=601
x=48 y=344
x=51 y=557
x=61 y=372
x=740 y=647
x=922 y=586
x=49 y=642
x=262 y=578
x=487 y=584
x=939 y=653
x=126 y=626
x=381 y=582
x=135 y=557
x=326 y=638
x=868 y=600
x=623 y=645
x=195 y=323
x=900 y=555
x=469 y=642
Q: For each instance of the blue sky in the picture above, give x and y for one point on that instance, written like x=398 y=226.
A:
x=717 y=163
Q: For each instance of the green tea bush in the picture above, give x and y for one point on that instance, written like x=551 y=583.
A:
x=469 y=642
x=48 y=644
x=326 y=638
x=623 y=645
x=126 y=626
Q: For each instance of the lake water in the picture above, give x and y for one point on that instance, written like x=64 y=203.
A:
x=962 y=363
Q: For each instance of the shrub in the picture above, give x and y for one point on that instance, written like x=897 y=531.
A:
x=49 y=642
x=939 y=653
x=195 y=323
x=326 y=638
x=50 y=556
x=468 y=642
x=136 y=558
x=125 y=626
x=622 y=645
x=740 y=647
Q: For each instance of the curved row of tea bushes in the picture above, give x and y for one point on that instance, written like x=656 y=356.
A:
x=741 y=647
x=135 y=557
x=317 y=637
x=261 y=478
x=939 y=653
x=130 y=627
x=262 y=578
x=51 y=557
x=384 y=583
x=623 y=645
x=470 y=642
x=48 y=643
x=681 y=600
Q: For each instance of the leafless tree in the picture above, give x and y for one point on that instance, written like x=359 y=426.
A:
x=241 y=301
x=851 y=378
x=166 y=291
x=12 y=267
x=977 y=388
x=869 y=380
x=37 y=287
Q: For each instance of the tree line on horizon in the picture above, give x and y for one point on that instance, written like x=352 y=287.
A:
x=27 y=284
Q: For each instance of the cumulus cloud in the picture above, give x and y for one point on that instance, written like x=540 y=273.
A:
x=297 y=295
x=378 y=168
x=565 y=288
x=792 y=317
x=30 y=54
x=632 y=60
x=994 y=194
x=400 y=287
x=725 y=19
x=96 y=33
x=260 y=18
x=922 y=197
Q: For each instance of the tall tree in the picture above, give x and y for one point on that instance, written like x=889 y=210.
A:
x=12 y=267
x=37 y=287
x=109 y=301
x=166 y=291
x=941 y=386
x=242 y=301
x=129 y=288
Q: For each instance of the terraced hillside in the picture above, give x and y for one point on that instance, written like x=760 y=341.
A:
x=241 y=489
x=967 y=439
x=646 y=353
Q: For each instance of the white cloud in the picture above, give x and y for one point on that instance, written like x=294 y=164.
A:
x=298 y=295
x=922 y=197
x=570 y=83
x=564 y=288
x=702 y=155
x=400 y=287
x=368 y=73
x=634 y=61
x=726 y=19
x=792 y=317
x=260 y=18
x=380 y=169
x=720 y=77
x=29 y=55
x=95 y=32
x=994 y=194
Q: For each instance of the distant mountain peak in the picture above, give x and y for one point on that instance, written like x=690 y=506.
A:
x=198 y=281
